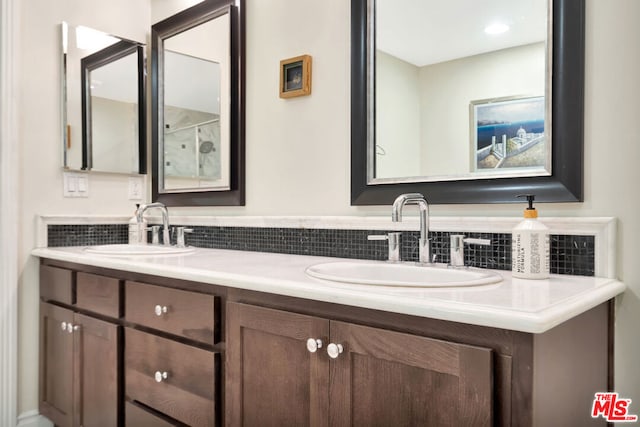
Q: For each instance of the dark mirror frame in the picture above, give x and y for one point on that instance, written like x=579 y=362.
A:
x=182 y=21
x=566 y=182
x=92 y=62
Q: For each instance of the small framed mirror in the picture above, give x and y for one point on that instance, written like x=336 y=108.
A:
x=198 y=113
x=113 y=109
x=103 y=101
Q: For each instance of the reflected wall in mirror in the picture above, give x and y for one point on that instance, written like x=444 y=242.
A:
x=198 y=131
x=103 y=111
x=453 y=110
x=196 y=140
x=441 y=107
x=113 y=113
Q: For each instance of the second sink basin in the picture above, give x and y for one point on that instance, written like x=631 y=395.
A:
x=137 y=250
x=399 y=274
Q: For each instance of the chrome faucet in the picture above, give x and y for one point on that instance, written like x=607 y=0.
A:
x=456 y=248
x=394 y=244
x=165 y=221
x=396 y=216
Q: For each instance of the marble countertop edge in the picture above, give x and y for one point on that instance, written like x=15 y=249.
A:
x=287 y=278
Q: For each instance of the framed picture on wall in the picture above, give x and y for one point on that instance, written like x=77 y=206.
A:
x=295 y=76
x=509 y=133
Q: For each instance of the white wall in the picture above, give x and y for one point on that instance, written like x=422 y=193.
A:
x=422 y=113
x=298 y=149
x=398 y=109
x=40 y=146
x=447 y=88
x=114 y=129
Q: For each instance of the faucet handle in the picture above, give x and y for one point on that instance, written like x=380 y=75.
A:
x=378 y=237
x=475 y=241
x=394 y=243
x=155 y=234
x=458 y=240
x=457 y=248
x=180 y=240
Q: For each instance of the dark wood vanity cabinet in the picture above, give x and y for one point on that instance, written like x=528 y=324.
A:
x=117 y=352
x=155 y=351
x=400 y=370
x=79 y=356
x=378 y=377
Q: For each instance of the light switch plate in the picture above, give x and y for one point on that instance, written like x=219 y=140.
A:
x=75 y=184
x=136 y=184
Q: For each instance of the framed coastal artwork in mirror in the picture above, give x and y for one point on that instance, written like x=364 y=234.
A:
x=197 y=132
x=467 y=102
x=103 y=107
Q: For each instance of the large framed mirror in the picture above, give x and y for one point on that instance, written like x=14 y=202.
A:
x=103 y=101
x=197 y=105
x=444 y=105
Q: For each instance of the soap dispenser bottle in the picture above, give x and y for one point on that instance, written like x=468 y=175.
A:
x=530 y=245
x=135 y=229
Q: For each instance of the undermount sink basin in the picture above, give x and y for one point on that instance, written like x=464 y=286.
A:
x=398 y=274
x=143 y=250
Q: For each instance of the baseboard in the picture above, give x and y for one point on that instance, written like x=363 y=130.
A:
x=33 y=419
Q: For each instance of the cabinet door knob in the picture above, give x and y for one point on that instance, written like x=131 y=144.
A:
x=76 y=328
x=161 y=309
x=63 y=326
x=70 y=328
x=161 y=376
x=334 y=350
x=313 y=345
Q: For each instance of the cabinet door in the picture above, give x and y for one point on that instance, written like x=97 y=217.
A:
x=56 y=364
x=385 y=378
x=96 y=372
x=272 y=379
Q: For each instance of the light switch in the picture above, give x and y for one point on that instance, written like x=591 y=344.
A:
x=75 y=184
x=82 y=184
x=135 y=188
x=69 y=189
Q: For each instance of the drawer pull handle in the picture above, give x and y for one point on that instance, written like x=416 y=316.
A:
x=313 y=345
x=161 y=309
x=161 y=376
x=63 y=326
x=334 y=350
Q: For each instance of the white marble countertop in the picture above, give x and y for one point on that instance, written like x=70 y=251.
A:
x=523 y=305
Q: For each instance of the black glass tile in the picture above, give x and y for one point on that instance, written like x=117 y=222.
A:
x=87 y=234
x=569 y=254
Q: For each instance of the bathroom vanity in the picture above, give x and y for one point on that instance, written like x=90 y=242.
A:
x=233 y=338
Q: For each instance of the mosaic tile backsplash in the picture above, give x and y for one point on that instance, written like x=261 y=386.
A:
x=87 y=235
x=569 y=254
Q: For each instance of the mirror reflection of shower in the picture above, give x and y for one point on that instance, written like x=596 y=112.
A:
x=192 y=154
x=193 y=151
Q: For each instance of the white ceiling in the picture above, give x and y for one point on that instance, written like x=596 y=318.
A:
x=424 y=32
x=184 y=79
x=117 y=80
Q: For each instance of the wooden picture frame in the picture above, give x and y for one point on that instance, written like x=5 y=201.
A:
x=295 y=76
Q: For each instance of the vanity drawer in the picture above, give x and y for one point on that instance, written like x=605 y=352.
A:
x=188 y=314
x=56 y=284
x=188 y=393
x=99 y=294
x=135 y=416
